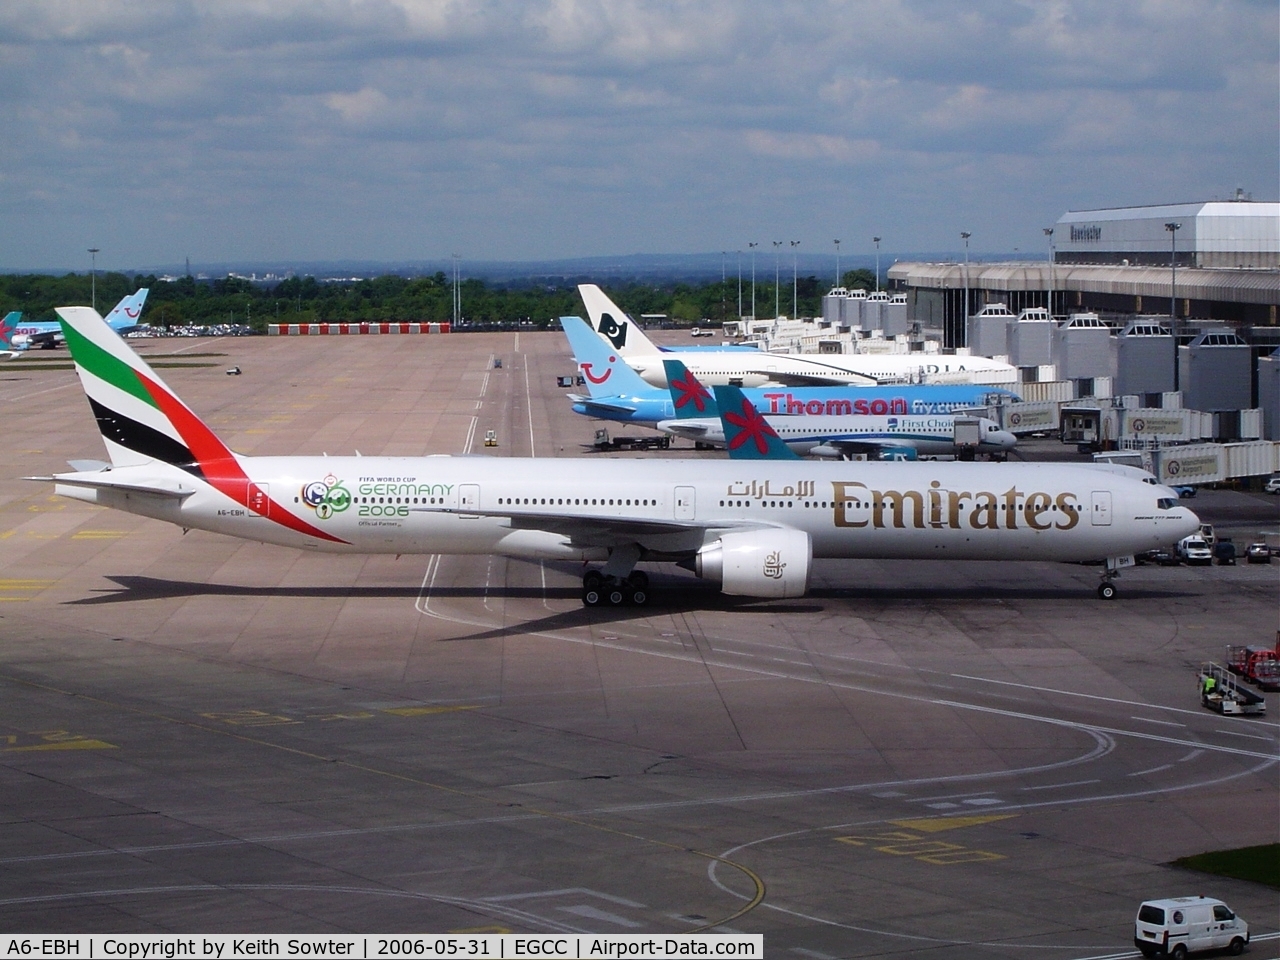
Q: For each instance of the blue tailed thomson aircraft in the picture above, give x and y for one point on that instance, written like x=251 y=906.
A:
x=886 y=437
x=616 y=392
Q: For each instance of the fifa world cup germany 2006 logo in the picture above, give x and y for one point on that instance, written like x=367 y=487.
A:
x=326 y=497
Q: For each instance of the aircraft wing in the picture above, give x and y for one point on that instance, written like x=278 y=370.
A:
x=868 y=445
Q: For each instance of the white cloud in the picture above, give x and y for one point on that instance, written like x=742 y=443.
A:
x=560 y=127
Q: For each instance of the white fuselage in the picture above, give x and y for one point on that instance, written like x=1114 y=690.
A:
x=929 y=434
x=755 y=369
x=579 y=508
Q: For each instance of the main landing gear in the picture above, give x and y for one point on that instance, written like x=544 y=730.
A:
x=600 y=590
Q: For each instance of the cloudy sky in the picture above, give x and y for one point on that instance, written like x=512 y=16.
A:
x=233 y=130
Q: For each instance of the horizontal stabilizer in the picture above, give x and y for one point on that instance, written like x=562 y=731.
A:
x=103 y=480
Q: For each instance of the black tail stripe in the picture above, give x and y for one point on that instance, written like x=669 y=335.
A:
x=142 y=439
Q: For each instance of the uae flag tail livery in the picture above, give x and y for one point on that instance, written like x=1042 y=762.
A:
x=156 y=444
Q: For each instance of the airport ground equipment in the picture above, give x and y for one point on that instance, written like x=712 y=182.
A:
x=1227 y=695
x=605 y=442
x=1258 y=665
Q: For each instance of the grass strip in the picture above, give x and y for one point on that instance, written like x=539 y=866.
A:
x=1260 y=864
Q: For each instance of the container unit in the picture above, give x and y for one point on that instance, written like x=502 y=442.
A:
x=1082 y=347
x=1214 y=371
x=831 y=302
x=893 y=314
x=1031 y=342
x=987 y=331
x=1143 y=357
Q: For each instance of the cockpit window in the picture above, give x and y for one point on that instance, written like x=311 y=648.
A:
x=1166 y=503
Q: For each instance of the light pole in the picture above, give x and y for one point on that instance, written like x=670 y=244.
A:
x=1048 y=232
x=777 y=289
x=457 y=299
x=964 y=320
x=1173 y=229
x=837 y=243
x=795 y=286
x=753 y=278
x=739 y=284
x=876 y=241
x=93 y=282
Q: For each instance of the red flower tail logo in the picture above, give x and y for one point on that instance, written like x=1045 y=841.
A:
x=692 y=391
x=751 y=426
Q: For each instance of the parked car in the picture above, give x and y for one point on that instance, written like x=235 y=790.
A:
x=1184 y=491
x=1272 y=485
x=1175 y=927
x=1258 y=552
x=1162 y=556
x=1194 y=550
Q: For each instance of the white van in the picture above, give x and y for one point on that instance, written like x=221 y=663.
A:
x=1195 y=550
x=1175 y=927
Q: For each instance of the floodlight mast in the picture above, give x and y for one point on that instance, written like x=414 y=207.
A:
x=93 y=281
x=876 y=241
x=1173 y=228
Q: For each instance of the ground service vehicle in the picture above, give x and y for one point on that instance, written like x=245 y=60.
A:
x=1259 y=552
x=1222 y=692
x=1259 y=665
x=1194 y=551
x=1224 y=551
x=1272 y=485
x=605 y=442
x=1179 y=925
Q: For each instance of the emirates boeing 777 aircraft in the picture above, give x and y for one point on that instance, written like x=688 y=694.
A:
x=755 y=526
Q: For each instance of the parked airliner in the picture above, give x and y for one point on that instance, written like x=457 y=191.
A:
x=47 y=334
x=756 y=527
x=899 y=437
x=616 y=392
x=741 y=368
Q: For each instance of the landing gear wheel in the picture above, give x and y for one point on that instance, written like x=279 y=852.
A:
x=638 y=579
x=616 y=595
x=591 y=597
x=640 y=596
x=1107 y=590
x=592 y=580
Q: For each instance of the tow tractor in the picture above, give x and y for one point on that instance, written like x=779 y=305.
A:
x=1258 y=665
x=604 y=442
x=1227 y=695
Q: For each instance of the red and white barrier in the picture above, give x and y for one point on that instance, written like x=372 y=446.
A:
x=351 y=329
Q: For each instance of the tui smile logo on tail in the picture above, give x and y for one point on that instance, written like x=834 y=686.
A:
x=586 y=372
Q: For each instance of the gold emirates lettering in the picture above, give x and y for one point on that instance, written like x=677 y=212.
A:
x=984 y=509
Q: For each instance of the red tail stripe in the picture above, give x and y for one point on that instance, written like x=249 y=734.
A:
x=219 y=465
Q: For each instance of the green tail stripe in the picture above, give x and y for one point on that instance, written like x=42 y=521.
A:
x=103 y=365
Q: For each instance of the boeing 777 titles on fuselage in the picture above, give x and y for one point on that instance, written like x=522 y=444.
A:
x=740 y=368
x=754 y=526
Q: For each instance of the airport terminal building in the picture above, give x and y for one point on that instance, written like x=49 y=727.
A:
x=1118 y=262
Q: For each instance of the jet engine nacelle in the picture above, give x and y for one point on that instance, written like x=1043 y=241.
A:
x=758 y=563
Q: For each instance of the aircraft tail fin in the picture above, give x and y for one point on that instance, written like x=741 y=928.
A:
x=747 y=434
x=141 y=419
x=691 y=398
x=7 y=327
x=606 y=373
x=609 y=320
x=125 y=315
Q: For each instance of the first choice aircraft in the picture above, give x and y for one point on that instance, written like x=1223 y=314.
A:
x=900 y=437
x=738 y=367
x=47 y=334
x=756 y=526
x=616 y=392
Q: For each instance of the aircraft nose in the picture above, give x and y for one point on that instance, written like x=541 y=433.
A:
x=1007 y=440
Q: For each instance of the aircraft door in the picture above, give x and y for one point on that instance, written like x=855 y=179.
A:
x=1101 y=514
x=258 y=498
x=684 y=503
x=468 y=499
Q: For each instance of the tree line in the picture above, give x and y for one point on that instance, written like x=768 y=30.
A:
x=185 y=300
